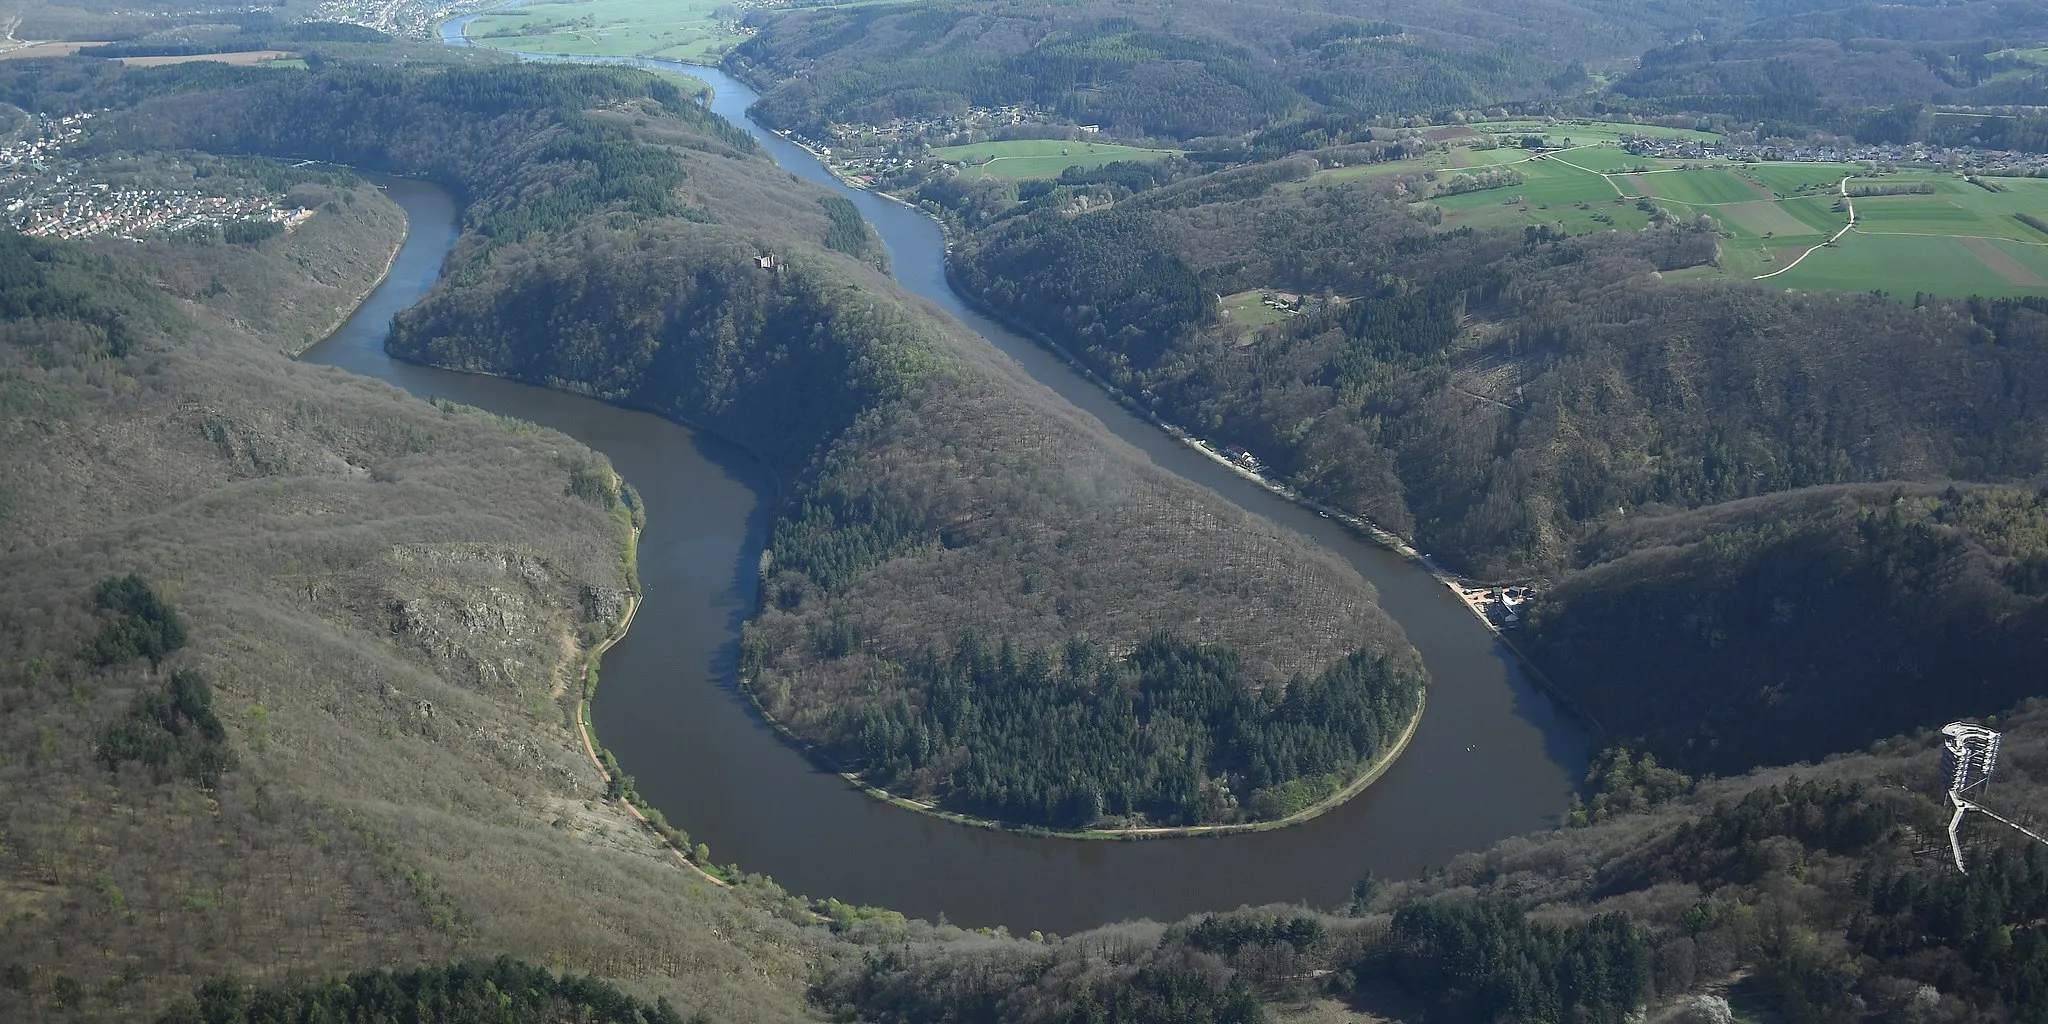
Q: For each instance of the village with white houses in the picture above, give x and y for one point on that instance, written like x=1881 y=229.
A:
x=44 y=194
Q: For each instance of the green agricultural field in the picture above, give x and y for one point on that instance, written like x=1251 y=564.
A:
x=1818 y=212
x=1609 y=159
x=1906 y=264
x=1459 y=158
x=1022 y=159
x=1586 y=132
x=1551 y=194
x=690 y=30
x=1789 y=179
x=1957 y=208
x=1700 y=187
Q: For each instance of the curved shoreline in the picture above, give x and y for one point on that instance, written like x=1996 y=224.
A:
x=1371 y=773
x=590 y=661
x=1365 y=779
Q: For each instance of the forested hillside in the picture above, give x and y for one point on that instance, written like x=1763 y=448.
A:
x=1793 y=626
x=1175 y=70
x=1494 y=395
x=1828 y=67
x=1821 y=894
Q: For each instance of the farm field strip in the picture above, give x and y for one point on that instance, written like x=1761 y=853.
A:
x=1041 y=158
x=691 y=30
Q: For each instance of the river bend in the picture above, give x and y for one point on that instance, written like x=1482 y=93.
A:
x=1492 y=758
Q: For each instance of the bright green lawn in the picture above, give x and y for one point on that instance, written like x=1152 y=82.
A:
x=1040 y=158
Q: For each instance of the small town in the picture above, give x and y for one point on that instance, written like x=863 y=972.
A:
x=416 y=18
x=40 y=197
x=81 y=210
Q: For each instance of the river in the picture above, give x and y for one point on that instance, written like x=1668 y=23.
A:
x=1492 y=758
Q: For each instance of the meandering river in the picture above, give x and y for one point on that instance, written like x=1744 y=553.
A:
x=1493 y=756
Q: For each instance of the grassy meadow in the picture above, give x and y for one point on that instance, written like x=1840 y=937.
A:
x=1024 y=159
x=689 y=30
x=1962 y=238
x=1584 y=133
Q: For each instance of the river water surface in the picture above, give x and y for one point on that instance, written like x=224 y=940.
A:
x=1492 y=758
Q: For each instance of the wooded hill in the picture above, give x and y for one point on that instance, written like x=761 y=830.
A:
x=1861 y=71
x=1531 y=406
x=1221 y=68
x=1796 y=625
x=1170 y=70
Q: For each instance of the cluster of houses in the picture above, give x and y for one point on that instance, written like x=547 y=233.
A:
x=933 y=128
x=860 y=153
x=1914 y=154
x=398 y=17
x=1295 y=305
x=80 y=210
x=41 y=196
x=42 y=139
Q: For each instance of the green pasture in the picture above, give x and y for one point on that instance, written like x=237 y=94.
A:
x=1818 y=212
x=1963 y=239
x=1551 y=193
x=690 y=30
x=1458 y=159
x=2031 y=55
x=1020 y=159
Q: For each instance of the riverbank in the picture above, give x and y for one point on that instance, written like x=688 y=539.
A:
x=389 y=262
x=1366 y=778
x=1458 y=585
x=589 y=676
x=671 y=719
